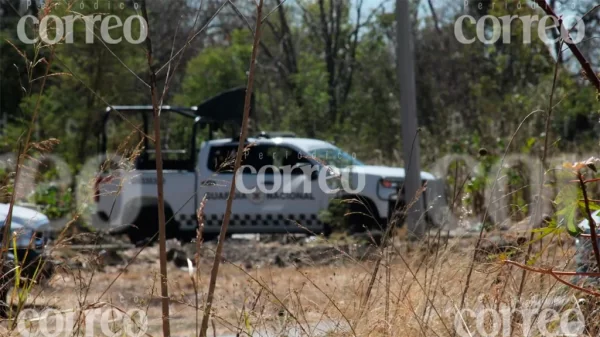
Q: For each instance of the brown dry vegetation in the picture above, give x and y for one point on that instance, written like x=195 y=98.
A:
x=417 y=290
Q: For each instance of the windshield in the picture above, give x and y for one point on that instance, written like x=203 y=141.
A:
x=333 y=156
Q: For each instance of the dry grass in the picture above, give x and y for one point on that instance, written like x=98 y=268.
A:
x=426 y=281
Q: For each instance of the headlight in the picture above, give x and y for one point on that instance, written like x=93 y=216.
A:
x=26 y=238
x=333 y=183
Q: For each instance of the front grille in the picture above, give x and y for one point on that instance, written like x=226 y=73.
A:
x=40 y=240
x=402 y=191
x=396 y=210
x=399 y=208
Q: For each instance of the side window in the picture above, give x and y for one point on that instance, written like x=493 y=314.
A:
x=257 y=157
x=222 y=158
x=285 y=157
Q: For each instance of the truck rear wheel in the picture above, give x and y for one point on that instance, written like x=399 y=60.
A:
x=327 y=230
x=145 y=226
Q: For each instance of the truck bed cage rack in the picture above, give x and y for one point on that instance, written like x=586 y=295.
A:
x=274 y=134
x=168 y=151
x=181 y=110
x=215 y=112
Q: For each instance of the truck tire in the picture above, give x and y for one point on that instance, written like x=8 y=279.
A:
x=145 y=225
x=363 y=215
x=327 y=230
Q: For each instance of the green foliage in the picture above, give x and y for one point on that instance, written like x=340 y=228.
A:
x=312 y=81
x=6 y=185
x=216 y=69
x=469 y=96
x=55 y=203
x=569 y=203
x=334 y=214
x=82 y=80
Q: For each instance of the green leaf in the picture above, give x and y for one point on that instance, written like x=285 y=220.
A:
x=529 y=145
x=247 y=323
x=568 y=204
x=594 y=207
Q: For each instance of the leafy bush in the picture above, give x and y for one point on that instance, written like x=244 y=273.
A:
x=334 y=214
x=6 y=185
x=55 y=203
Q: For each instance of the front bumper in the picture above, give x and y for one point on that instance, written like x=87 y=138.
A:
x=396 y=210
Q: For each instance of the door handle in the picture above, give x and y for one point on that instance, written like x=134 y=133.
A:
x=208 y=183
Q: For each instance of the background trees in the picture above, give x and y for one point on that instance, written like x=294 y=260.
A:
x=326 y=69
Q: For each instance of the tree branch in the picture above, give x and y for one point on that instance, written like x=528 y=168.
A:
x=557 y=274
x=589 y=72
x=588 y=213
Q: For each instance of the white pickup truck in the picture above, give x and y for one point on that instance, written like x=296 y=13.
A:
x=267 y=200
x=285 y=184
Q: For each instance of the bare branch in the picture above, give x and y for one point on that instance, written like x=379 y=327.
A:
x=182 y=49
x=241 y=16
x=589 y=72
x=273 y=10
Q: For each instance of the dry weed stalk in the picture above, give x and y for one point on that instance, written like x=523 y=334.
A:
x=196 y=280
x=164 y=287
x=24 y=147
x=536 y=217
x=581 y=181
x=21 y=156
x=238 y=159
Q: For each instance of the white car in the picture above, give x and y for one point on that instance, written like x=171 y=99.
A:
x=27 y=217
x=27 y=248
x=286 y=184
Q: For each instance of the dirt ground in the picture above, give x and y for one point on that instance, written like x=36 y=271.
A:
x=128 y=279
x=268 y=286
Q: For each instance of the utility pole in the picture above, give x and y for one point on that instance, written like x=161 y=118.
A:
x=408 y=105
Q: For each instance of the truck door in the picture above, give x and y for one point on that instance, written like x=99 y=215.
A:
x=215 y=182
x=267 y=200
x=292 y=191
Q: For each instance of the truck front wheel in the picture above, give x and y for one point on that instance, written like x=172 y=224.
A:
x=361 y=215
